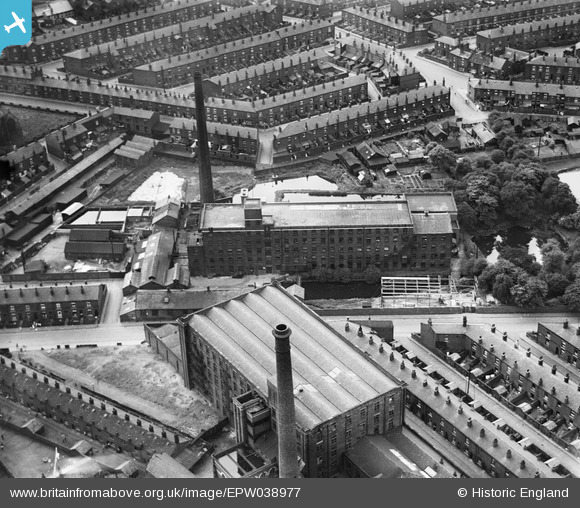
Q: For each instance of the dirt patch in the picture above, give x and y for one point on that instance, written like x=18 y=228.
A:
x=36 y=124
x=136 y=372
x=227 y=179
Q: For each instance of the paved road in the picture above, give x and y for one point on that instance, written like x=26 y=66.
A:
x=103 y=335
x=456 y=81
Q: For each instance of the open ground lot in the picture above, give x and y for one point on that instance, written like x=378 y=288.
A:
x=227 y=180
x=36 y=124
x=132 y=373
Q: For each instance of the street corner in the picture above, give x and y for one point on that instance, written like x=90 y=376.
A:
x=16 y=18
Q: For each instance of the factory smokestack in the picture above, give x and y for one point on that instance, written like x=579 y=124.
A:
x=286 y=416
x=205 y=178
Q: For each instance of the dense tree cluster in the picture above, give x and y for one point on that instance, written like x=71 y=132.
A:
x=508 y=186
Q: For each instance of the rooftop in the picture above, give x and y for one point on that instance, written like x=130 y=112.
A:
x=345 y=114
x=114 y=21
x=384 y=19
x=379 y=458
x=432 y=224
x=63 y=293
x=207 y=22
x=228 y=47
x=499 y=10
x=304 y=94
x=90 y=414
x=311 y=215
x=529 y=88
x=532 y=26
x=330 y=377
x=518 y=355
x=285 y=62
x=569 y=334
x=185 y=301
x=558 y=61
x=163 y=465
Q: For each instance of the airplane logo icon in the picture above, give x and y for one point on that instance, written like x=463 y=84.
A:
x=17 y=23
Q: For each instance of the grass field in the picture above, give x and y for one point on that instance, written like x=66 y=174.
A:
x=137 y=371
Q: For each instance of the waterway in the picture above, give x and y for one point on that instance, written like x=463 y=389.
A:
x=267 y=191
x=572 y=178
x=512 y=237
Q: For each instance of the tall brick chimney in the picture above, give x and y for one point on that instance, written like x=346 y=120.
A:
x=285 y=415
x=205 y=178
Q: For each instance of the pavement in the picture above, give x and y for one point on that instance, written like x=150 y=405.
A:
x=112 y=306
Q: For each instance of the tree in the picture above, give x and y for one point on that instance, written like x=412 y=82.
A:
x=343 y=275
x=557 y=284
x=372 y=275
x=515 y=199
x=322 y=274
x=553 y=259
x=572 y=296
x=558 y=198
x=463 y=167
x=497 y=156
x=443 y=159
x=482 y=161
x=501 y=289
x=506 y=143
x=519 y=257
x=532 y=293
x=467 y=218
x=473 y=267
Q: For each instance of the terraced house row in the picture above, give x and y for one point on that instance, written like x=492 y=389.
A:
x=118 y=56
x=483 y=18
x=525 y=36
x=553 y=69
x=55 y=44
x=540 y=97
x=290 y=106
x=264 y=74
x=176 y=71
x=402 y=110
x=384 y=28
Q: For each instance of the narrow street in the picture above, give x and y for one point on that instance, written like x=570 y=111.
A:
x=456 y=81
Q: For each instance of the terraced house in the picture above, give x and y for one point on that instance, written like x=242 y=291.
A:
x=461 y=23
x=53 y=45
x=384 y=28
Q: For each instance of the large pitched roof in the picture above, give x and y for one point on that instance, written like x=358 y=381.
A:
x=330 y=376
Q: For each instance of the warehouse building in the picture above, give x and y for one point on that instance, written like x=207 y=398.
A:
x=339 y=399
x=254 y=237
